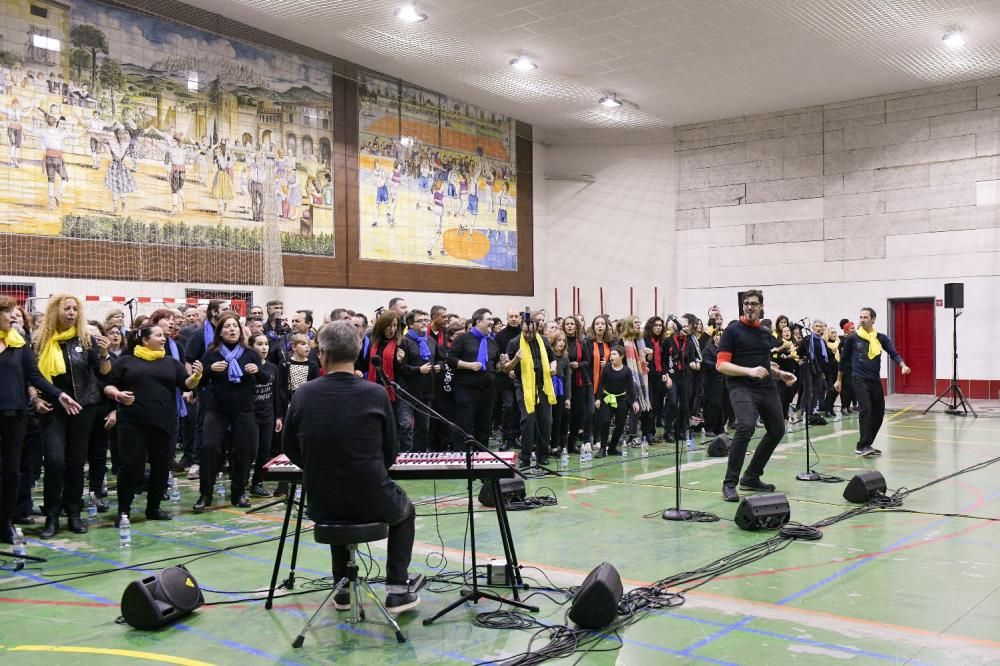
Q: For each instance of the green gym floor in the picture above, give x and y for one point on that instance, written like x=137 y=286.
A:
x=885 y=587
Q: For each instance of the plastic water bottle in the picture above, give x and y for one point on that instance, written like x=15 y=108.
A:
x=175 y=493
x=624 y=451
x=586 y=454
x=20 y=550
x=644 y=452
x=91 y=509
x=220 y=486
x=564 y=459
x=690 y=442
x=170 y=479
x=298 y=493
x=124 y=532
x=534 y=459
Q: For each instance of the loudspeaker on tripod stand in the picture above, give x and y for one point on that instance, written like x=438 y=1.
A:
x=954 y=295
x=158 y=600
x=596 y=602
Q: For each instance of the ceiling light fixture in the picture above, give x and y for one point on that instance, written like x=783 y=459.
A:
x=409 y=14
x=954 y=39
x=523 y=63
x=610 y=101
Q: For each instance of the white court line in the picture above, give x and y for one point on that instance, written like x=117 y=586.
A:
x=699 y=464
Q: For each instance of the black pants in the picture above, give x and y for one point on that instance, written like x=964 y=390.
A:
x=871 y=409
x=712 y=406
x=244 y=451
x=847 y=398
x=265 y=435
x=510 y=415
x=66 y=440
x=581 y=415
x=677 y=419
x=671 y=409
x=620 y=414
x=97 y=449
x=657 y=396
x=31 y=467
x=400 y=549
x=443 y=436
x=560 y=424
x=474 y=410
x=13 y=426
x=536 y=428
x=188 y=426
x=748 y=403
x=137 y=443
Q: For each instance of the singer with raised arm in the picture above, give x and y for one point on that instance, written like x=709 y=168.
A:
x=745 y=357
x=341 y=431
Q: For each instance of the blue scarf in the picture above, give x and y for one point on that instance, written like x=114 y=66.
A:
x=181 y=407
x=483 y=357
x=232 y=357
x=558 y=387
x=425 y=351
x=366 y=342
x=209 y=333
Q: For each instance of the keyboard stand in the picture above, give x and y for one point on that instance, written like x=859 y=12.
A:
x=288 y=583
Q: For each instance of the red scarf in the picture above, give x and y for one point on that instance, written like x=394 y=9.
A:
x=577 y=375
x=751 y=324
x=598 y=357
x=388 y=355
x=440 y=337
x=683 y=348
x=657 y=355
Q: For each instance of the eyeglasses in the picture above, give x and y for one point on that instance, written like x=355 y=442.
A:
x=751 y=304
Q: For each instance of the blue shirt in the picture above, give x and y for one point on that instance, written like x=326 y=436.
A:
x=855 y=356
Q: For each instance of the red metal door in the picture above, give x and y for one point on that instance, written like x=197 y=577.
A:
x=913 y=336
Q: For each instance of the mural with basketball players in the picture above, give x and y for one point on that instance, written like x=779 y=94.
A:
x=122 y=126
x=437 y=179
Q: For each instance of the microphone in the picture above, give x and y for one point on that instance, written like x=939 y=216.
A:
x=129 y=301
x=377 y=362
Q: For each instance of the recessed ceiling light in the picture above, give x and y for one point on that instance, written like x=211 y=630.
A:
x=409 y=14
x=610 y=101
x=954 y=40
x=523 y=63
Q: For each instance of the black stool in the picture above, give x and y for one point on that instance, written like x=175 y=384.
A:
x=350 y=535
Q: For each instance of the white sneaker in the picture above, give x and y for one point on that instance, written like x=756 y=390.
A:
x=193 y=472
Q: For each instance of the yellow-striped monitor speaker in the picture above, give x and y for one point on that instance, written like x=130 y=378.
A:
x=596 y=602
x=763 y=512
x=864 y=486
x=156 y=601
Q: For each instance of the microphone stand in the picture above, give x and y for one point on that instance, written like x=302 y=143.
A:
x=810 y=474
x=677 y=513
x=474 y=594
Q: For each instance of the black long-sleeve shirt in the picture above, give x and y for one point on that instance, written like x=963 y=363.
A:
x=855 y=356
x=750 y=347
x=226 y=396
x=678 y=353
x=154 y=384
x=268 y=398
x=579 y=350
x=18 y=370
x=465 y=347
x=420 y=385
x=616 y=382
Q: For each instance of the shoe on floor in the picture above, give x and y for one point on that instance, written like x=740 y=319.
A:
x=76 y=525
x=193 y=471
x=242 y=501
x=400 y=603
x=342 y=600
x=600 y=453
x=203 y=503
x=756 y=484
x=878 y=452
x=158 y=514
x=102 y=506
x=866 y=452
x=729 y=493
x=260 y=490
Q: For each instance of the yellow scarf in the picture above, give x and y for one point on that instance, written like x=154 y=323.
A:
x=528 y=374
x=148 y=354
x=51 y=361
x=11 y=338
x=874 y=346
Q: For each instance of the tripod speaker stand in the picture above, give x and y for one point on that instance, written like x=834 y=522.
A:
x=952 y=397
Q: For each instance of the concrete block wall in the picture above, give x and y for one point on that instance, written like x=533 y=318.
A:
x=858 y=202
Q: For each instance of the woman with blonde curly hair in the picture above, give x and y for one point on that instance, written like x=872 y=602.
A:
x=72 y=361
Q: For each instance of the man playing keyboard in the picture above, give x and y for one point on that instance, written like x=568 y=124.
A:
x=340 y=430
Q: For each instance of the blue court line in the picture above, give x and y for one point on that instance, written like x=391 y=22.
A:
x=790 y=638
x=837 y=575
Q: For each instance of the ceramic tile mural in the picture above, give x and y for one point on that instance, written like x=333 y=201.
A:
x=117 y=125
x=437 y=179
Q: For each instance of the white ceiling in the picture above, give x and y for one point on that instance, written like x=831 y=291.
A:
x=680 y=61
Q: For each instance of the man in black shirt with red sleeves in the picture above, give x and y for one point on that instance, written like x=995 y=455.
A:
x=745 y=357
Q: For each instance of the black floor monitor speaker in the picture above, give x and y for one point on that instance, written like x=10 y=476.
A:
x=762 y=512
x=511 y=489
x=863 y=486
x=954 y=295
x=158 y=600
x=596 y=602
x=719 y=447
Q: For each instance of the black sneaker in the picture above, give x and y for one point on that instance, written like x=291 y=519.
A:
x=729 y=493
x=400 y=603
x=260 y=490
x=866 y=452
x=756 y=484
x=342 y=600
x=878 y=452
